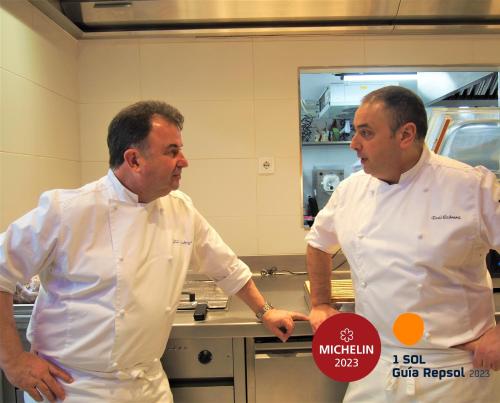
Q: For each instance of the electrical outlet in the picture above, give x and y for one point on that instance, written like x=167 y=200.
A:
x=266 y=165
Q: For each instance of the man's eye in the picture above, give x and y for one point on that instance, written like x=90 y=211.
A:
x=365 y=134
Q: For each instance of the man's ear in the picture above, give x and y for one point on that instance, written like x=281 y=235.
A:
x=408 y=133
x=132 y=158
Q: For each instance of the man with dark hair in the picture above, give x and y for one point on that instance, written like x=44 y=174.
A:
x=415 y=228
x=131 y=127
x=112 y=258
x=403 y=106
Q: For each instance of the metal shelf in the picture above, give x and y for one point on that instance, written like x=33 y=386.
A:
x=325 y=143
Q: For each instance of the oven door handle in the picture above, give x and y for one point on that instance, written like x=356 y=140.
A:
x=283 y=354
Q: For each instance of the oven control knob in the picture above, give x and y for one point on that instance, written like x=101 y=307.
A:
x=204 y=356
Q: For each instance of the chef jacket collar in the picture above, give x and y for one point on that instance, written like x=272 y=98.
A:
x=407 y=177
x=123 y=194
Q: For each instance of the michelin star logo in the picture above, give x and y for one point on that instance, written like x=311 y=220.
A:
x=346 y=335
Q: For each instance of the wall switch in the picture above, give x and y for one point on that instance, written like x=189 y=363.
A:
x=266 y=165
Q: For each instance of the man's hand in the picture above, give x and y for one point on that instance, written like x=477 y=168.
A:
x=319 y=314
x=277 y=321
x=486 y=349
x=37 y=377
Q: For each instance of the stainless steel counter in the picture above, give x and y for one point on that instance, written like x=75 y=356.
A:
x=237 y=320
x=285 y=291
x=235 y=328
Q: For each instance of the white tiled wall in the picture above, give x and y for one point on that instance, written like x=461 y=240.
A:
x=240 y=100
x=222 y=187
x=38 y=121
x=39 y=136
x=109 y=71
x=197 y=70
x=239 y=97
x=94 y=120
x=274 y=118
x=36 y=174
x=218 y=129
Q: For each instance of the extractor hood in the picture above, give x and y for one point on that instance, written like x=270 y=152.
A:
x=337 y=95
x=481 y=92
x=274 y=17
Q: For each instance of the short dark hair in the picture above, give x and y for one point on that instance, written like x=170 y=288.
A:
x=404 y=105
x=131 y=126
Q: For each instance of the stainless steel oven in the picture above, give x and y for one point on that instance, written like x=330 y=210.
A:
x=205 y=370
x=286 y=372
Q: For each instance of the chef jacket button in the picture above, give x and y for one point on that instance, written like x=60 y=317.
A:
x=168 y=309
x=427 y=335
x=120 y=258
x=122 y=375
x=420 y=236
x=360 y=236
x=121 y=313
x=372 y=192
x=426 y=190
x=156 y=360
x=363 y=284
x=114 y=365
x=419 y=285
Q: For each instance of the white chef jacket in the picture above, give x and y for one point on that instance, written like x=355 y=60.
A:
x=380 y=386
x=111 y=272
x=418 y=246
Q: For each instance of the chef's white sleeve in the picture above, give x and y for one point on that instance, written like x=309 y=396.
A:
x=489 y=204
x=28 y=245
x=323 y=235
x=215 y=259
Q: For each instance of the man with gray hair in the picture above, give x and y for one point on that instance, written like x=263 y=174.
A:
x=415 y=228
x=112 y=258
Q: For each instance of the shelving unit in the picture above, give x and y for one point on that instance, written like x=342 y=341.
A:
x=325 y=143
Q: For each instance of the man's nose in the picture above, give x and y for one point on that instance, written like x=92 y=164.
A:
x=183 y=162
x=354 y=143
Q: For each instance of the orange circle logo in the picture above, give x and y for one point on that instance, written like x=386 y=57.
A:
x=408 y=328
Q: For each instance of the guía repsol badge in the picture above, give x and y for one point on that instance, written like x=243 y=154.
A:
x=346 y=347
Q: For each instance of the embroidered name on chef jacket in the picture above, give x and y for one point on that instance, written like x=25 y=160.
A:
x=181 y=242
x=446 y=217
